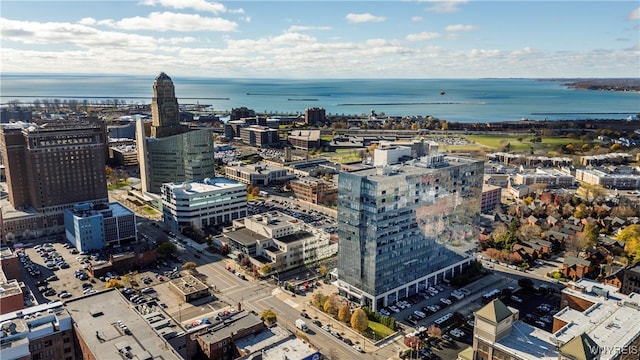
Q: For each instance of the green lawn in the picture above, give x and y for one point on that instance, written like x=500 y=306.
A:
x=499 y=141
x=149 y=210
x=380 y=330
x=117 y=185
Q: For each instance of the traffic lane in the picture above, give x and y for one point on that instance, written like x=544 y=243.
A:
x=321 y=339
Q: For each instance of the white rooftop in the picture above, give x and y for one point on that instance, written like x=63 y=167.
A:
x=528 y=342
x=613 y=322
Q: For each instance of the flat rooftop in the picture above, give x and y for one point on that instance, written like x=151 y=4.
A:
x=290 y=349
x=188 y=284
x=244 y=236
x=296 y=237
x=613 y=322
x=100 y=318
x=224 y=330
x=206 y=186
x=263 y=339
x=528 y=342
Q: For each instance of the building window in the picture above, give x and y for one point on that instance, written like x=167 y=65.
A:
x=48 y=343
x=66 y=340
x=67 y=350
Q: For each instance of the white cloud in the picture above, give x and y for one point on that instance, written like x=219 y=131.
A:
x=199 y=5
x=168 y=21
x=87 y=21
x=363 y=18
x=416 y=18
x=445 y=6
x=423 y=36
x=296 y=28
x=460 y=27
x=634 y=14
x=50 y=33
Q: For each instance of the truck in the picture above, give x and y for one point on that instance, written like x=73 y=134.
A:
x=300 y=324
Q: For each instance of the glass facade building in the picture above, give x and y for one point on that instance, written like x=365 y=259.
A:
x=405 y=227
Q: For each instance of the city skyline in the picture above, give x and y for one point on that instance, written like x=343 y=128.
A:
x=311 y=39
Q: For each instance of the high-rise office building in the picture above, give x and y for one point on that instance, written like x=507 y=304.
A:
x=398 y=223
x=172 y=153
x=164 y=109
x=52 y=166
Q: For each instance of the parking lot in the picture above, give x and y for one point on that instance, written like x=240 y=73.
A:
x=310 y=217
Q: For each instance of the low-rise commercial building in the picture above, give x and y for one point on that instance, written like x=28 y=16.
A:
x=107 y=326
x=38 y=332
x=595 y=322
x=313 y=190
x=211 y=202
x=93 y=226
x=280 y=240
x=304 y=139
x=257 y=174
x=189 y=288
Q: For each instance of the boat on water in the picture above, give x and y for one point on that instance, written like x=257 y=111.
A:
x=442 y=92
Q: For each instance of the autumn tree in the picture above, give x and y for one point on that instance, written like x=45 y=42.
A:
x=332 y=304
x=528 y=232
x=359 y=321
x=322 y=270
x=113 y=283
x=268 y=316
x=434 y=331
x=344 y=313
x=266 y=269
x=412 y=342
x=631 y=237
x=189 y=265
x=317 y=299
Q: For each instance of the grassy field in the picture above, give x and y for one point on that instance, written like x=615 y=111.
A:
x=342 y=156
x=380 y=330
x=549 y=145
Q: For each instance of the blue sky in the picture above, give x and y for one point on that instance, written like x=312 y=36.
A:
x=323 y=39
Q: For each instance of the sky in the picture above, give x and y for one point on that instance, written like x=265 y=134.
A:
x=323 y=39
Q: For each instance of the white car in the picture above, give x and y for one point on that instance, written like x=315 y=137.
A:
x=394 y=309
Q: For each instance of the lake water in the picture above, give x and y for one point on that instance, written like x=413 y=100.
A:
x=460 y=100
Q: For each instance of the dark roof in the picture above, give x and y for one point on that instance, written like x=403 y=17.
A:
x=572 y=260
x=163 y=76
x=295 y=237
x=245 y=237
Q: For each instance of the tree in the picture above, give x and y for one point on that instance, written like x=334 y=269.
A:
x=344 y=313
x=631 y=237
x=268 y=316
x=322 y=270
x=412 y=342
x=359 y=321
x=615 y=147
x=434 y=331
x=590 y=231
x=332 y=304
x=528 y=232
x=167 y=248
x=266 y=269
x=113 y=283
x=190 y=265
x=317 y=299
